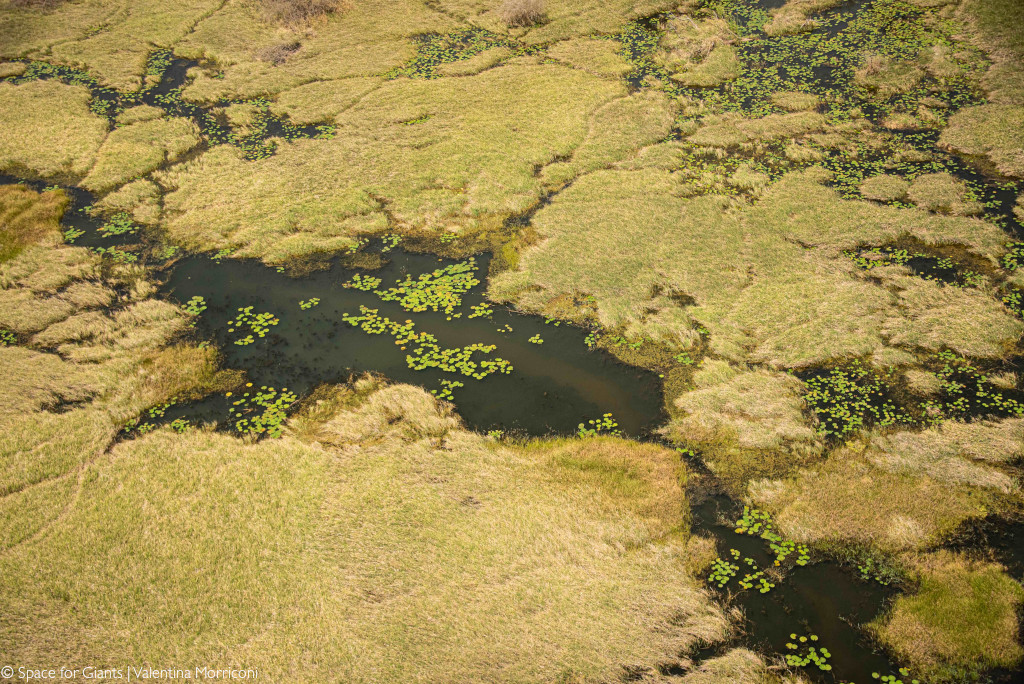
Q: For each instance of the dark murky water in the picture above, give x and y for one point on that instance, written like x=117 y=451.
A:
x=554 y=386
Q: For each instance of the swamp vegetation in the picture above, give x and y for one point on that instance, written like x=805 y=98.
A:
x=570 y=341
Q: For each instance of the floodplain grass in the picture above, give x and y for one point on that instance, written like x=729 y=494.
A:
x=927 y=627
x=28 y=218
x=49 y=130
x=139 y=148
x=552 y=559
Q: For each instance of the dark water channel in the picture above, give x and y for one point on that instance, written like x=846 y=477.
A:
x=555 y=385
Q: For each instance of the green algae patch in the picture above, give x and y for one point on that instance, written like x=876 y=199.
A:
x=992 y=132
x=466 y=163
x=49 y=130
x=136 y=150
x=930 y=626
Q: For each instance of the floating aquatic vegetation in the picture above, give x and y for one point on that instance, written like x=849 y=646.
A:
x=309 y=303
x=357 y=245
x=364 y=283
x=439 y=290
x=758 y=579
x=220 y=254
x=72 y=234
x=258 y=323
x=505 y=328
x=152 y=413
x=722 y=571
x=390 y=242
x=262 y=412
x=116 y=255
x=180 y=425
x=870 y=570
x=758 y=523
x=549 y=320
x=195 y=306
x=436 y=49
x=606 y=424
x=806 y=653
x=967 y=392
x=7 y=338
x=165 y=252
x=447 y=237
x=684 y=359
x=893 y=679
x=426 y=353
x=480 y=311
x=535 y=339
x=1014 y=258
x=592 y=339
x=927 y=266
x=848 y=399
x=447 y=387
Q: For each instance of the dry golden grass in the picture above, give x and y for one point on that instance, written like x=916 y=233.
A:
x=962 y=619
x=795 y=16
x=848 y=499
x=599 y=57
x=884 y=188
x=136 y=150
x=943 y=193
x=321 y=101
x=559 y=559
x=48 y=130
x=28 y=218
x=994 y=132
x=794 y=101
x=469 y=165
x=747 y=423
x=140 y=198
x=522 y=12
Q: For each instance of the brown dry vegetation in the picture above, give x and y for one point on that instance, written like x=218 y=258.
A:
x=302 y=11
x=522 y=12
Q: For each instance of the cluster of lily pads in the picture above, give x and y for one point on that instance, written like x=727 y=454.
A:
x=309 y=303
x=927 y=266
x=362 y=282
x=118 y=224
x=259 y=324
x=810 y=653
x=7 y=338
x=480 y=311
x=440 y=290
x=195 y=305
x=447 y=389
x=261 y=412
x=967 y=391
x=426 y=352
x=850 y=398
x=116 y=254
x=535 y=339
x=606 y=424
x=758 y=523
x=893 y=679
x=143 y=425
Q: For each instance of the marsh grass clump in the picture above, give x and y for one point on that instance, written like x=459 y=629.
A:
x=278 y=54
x=848 y=399
x=302 y=11
x=522 y=12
